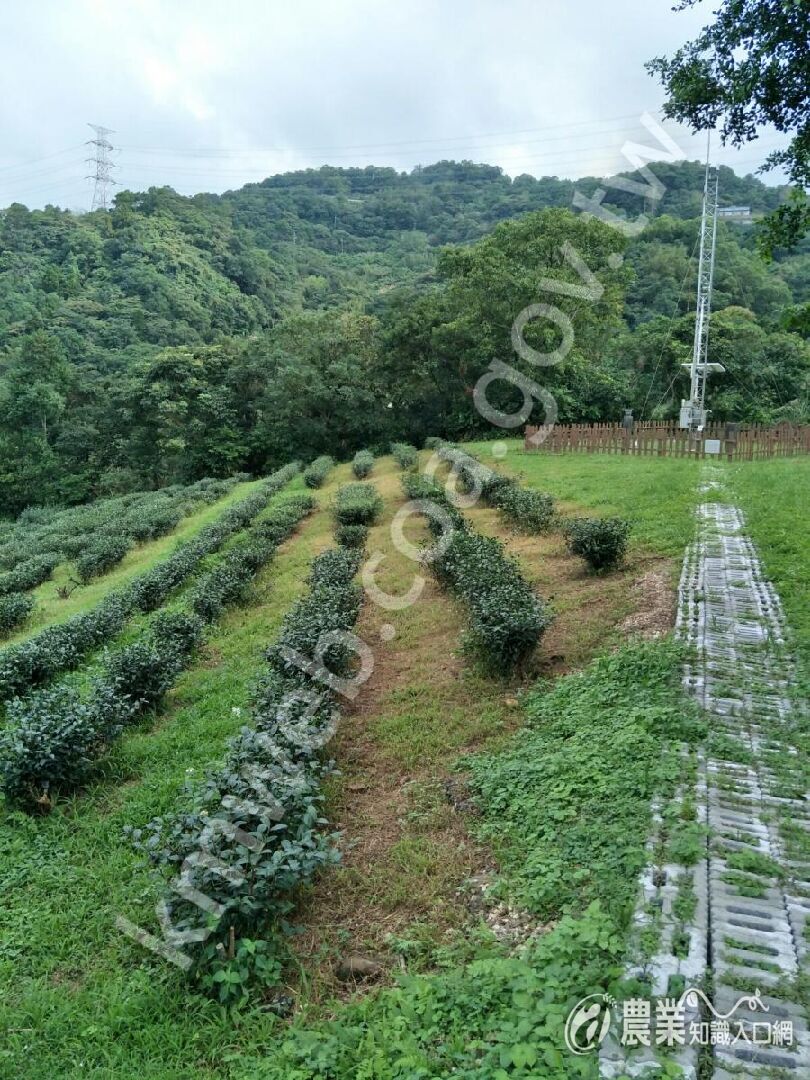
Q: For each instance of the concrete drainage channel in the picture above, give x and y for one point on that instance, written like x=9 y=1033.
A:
x=735 y=922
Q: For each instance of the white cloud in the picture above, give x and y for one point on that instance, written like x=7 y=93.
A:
x=206 y=96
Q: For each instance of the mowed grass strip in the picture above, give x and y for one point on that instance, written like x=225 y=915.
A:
x=78 y=998
x=50 y=608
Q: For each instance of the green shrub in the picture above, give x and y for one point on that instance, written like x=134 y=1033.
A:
x=293 y=712
x=62 y=647
x=506 y=618
x=362 y=464
x=14 y=610
x=316 y=473
x=357 y=504
x=53 y=737
x=28 y=574
x=404 y=454
x=101 y=557
x=530 y=511
x=149 y=526
x=351 y=536
x=50 y=741
x=601 y=542
x=432 y=442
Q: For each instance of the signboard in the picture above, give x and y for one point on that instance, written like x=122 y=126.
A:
x=711 y=446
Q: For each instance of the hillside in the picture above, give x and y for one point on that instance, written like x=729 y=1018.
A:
x=467 y=816
x=173 y=338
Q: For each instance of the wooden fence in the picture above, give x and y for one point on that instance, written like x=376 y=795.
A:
x=736 y=442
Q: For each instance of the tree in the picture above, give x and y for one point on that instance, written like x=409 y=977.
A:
x=749 y=68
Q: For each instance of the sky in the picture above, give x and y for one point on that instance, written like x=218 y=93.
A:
x=207 y=96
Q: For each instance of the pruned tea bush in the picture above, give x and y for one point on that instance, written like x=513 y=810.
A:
x=404 y=454
x=506 y=617
x=14 y=610
x=27 y=575
x=53 y=736
x=601 y=542
x=268 y=789
x=316 y=473
x=351 y=536
x=527 y=510
x=101 y=557
x=362 y=464
x=357 y=504
x=62 y=647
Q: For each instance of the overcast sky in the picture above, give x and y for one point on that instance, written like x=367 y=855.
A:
x=208 y=95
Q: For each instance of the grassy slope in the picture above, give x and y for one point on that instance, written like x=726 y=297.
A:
x=50 y=609
x=656 y=494
x=67 y=975
x=93 y=996
x=102 y=1011
x=544 y=801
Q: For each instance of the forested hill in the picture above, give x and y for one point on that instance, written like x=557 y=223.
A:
x=173 y=337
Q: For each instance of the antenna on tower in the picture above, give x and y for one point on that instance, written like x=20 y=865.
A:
x=102 y=165
x=693 y=411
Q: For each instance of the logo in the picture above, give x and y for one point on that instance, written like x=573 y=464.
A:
x=690 y=1020
x=588 y=1023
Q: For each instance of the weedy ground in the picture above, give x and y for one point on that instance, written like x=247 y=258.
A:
x=560 y=811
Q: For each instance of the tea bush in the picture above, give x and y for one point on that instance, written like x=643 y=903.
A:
x=351 y=536
x=529 y=511
x=525 y=509
x=357 y=504
x=601 y=542
x=316 y=473
x=404 y=454
x=14 y=610
x=62 y=647
x=259 y=815
x=27 y=575
x=362 y=464
x=101 y=557
x=53 y=737
x=506 y=618
x=139 y=516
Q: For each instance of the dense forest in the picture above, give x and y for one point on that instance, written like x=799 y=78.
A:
x=171 y=338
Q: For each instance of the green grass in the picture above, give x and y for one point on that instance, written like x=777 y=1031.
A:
x=658 y=495
x=51 y=609
x=566 y=806
x=774 y=496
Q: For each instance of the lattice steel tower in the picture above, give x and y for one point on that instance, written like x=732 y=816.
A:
x=102 y=166
x=693 y=411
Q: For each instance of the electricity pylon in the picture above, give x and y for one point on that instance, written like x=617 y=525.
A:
x=102 y=165
x=693 y=410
